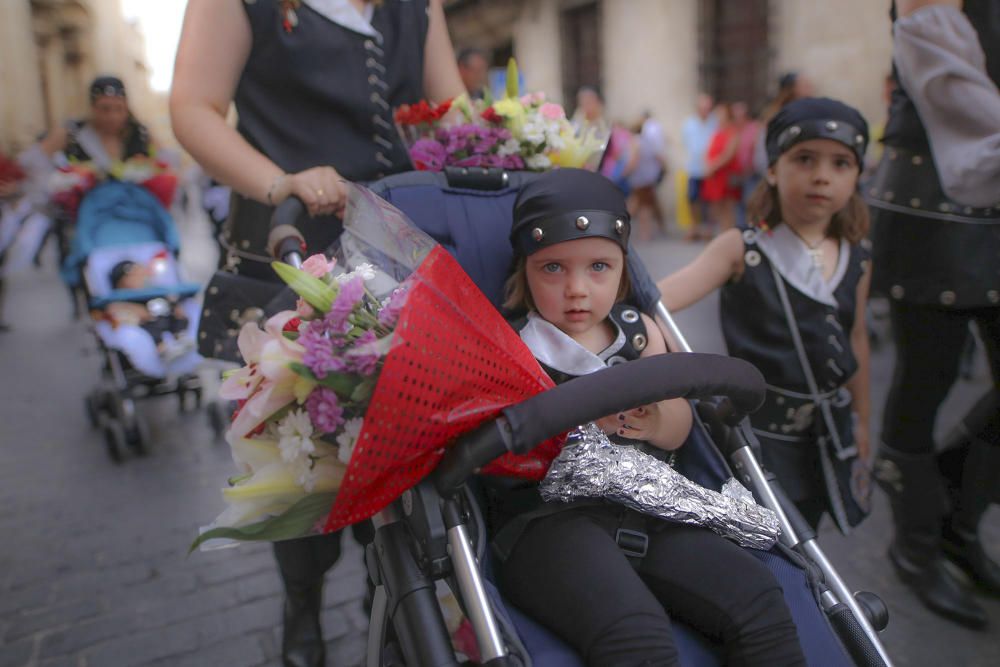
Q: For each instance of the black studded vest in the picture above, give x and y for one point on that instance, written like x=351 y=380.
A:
x=321 y=94
x=927 y=248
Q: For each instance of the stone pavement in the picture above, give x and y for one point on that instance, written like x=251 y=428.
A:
x=93 y=564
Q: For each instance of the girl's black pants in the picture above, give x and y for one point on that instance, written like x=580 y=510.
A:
x=568 y=572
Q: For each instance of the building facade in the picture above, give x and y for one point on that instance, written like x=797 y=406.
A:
x=656 y=55
x=50 y=50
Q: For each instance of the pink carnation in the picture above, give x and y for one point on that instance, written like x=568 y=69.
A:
x=318 y=265
x=552 y=111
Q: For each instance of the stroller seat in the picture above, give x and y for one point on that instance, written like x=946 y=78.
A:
x=473 y=225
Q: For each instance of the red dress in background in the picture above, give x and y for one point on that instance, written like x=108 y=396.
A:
x=721 y=185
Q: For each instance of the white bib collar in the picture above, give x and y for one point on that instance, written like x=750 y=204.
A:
x=558 y=350
x=343 y=13
x=789 y=255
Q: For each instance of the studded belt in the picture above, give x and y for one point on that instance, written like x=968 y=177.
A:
x=790 y=415
x=908 y=182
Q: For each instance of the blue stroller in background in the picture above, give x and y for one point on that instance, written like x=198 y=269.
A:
x=435 y=532
x=118 y=222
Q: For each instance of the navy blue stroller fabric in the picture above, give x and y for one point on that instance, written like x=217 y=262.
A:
x=473 y=225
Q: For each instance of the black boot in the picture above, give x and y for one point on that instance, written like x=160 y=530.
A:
x=972 y=497
x=916 y=495
x=302 y=563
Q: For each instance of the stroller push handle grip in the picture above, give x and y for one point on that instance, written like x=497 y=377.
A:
x=631 y=385
x=283 y=236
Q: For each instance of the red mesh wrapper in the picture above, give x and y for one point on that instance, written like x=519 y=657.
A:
x=455 y=364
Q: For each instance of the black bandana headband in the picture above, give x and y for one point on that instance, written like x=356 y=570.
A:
x=817 y=118
x=106 y=86
x=568 y=204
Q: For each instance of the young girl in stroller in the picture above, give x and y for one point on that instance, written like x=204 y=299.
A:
x=808 y=339
x=569 y=566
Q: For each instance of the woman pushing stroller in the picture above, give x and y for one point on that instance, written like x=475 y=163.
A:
x=794 y=291
x=564 y=565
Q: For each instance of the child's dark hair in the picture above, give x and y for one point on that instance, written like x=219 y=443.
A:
x=517 y=295
x=119 y=271
x=850 y=223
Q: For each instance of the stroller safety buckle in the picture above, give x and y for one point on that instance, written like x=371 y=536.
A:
x=633 y=543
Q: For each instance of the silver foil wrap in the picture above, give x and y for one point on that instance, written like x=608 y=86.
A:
x=591 y=466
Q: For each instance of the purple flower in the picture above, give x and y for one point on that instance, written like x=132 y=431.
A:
x=513 y=162
x=428 y=154
x=348 y=297
x=389 y=314
x=472 y=161
x=324 y=410
x=364 y=355
x=320 y=355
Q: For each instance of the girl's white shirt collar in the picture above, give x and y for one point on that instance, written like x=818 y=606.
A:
x=789 y=255
x=344 y=14
x=557 y=350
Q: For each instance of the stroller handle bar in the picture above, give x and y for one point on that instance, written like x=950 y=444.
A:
x=284 y=240
x=525 y=425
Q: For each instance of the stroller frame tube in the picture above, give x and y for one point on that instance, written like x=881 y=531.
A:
x=476 y=604
x=746 y=463
x=409 y=603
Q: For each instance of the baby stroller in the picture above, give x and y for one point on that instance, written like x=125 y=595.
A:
x=119 y=222
x=436 y=532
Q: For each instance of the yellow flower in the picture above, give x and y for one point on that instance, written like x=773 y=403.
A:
x=509 y=107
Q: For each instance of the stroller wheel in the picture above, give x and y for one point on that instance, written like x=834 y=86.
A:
x=92 y=406
x=114 y=439
x=137 y=437
x=217 y=418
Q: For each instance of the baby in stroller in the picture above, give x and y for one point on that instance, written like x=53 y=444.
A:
x=123 y=256
x=568 y=565
x=169 y=327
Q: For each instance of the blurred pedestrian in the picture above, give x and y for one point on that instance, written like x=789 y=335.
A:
x=314 y=85
x=650 y=169
x=791 y=86
x=747 y=130
x=722 y=186
x=474 y=68
x=696 y=135
x=940 y=174
x=589 y=113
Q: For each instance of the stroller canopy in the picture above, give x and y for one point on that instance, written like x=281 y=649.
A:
x=117 y=213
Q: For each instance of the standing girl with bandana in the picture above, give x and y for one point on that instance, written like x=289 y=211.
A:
x=794 y=292
x=566 y=565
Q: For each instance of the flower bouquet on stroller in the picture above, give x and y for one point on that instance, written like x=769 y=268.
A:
x=513 y=133
x=391 y=353
x=71 y=182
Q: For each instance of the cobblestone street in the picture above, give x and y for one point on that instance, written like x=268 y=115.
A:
x=93 y=564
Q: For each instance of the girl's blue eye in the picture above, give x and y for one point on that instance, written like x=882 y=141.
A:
x=551 y=267
x=599 y=266
x=844 y=164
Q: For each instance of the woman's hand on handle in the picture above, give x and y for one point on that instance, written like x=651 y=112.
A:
x=321 y=189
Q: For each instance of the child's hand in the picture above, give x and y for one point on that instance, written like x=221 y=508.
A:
x=609 y=424
x=642 y=423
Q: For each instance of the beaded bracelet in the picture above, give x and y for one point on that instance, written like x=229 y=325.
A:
x=280 y=178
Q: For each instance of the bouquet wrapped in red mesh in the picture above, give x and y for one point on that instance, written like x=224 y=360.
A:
x=391 y=354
